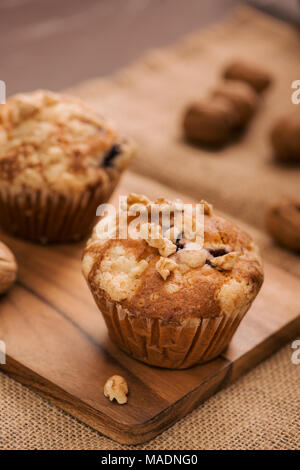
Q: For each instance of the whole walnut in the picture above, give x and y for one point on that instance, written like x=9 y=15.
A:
x=285 y=138
x=241 y=95
x=250 y=73
x=211 y=122
x=8 y=268
x=283 y=223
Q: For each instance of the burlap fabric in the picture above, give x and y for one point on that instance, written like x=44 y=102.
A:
x=148 y=98
x=259 y=411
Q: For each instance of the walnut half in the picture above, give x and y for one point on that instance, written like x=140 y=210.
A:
x=116 y=388
x=8 y=268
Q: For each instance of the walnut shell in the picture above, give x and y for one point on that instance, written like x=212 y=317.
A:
x=285 y=138
x=210 y=122
x=241 y=95
x=247 y=72
x=8 y=268
x=283 y=223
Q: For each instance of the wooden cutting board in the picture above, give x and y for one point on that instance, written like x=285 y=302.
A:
x=57 y=342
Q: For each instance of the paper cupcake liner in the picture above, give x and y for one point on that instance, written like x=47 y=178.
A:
x=45 y=217
x=170 y=345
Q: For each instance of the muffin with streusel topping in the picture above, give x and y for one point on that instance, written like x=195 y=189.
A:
x=172 y=294
x=58 y=161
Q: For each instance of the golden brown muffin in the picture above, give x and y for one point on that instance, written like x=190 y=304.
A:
x=58 y=161
x=211 y=122
x=285 y=138
x=248 y=72
x=283 y=223
x=167 y=299
x=241 y=95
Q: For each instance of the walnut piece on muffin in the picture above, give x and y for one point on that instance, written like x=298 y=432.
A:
x=255 y=75
x=181 y=307
x=285 y=138
x=59 y=160
x=283 y=223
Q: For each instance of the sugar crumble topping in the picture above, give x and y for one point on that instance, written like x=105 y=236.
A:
x=56 y=140
x=119 y=273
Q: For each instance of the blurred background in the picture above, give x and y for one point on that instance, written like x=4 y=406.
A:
x=54 y=43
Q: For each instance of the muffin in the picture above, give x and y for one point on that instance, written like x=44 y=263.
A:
x=257 y=77
x=285 y=138
x=211 y=122
x=283 y=223
x=168 y=298
x=58 y=161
